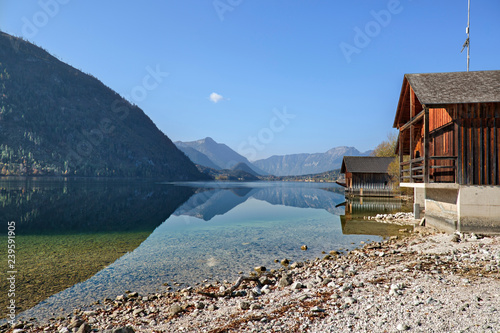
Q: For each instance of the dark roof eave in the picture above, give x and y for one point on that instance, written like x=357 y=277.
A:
x=444 y=105
x=343 y=168
x=398 y=108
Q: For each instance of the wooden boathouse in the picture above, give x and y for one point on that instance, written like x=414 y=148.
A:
x=367 y=176
x=449 y=147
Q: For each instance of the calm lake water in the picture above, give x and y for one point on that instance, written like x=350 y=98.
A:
x=79 y=241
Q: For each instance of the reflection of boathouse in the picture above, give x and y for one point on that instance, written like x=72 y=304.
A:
x=356 y=208
x=367 y=176
x=361 y=206
x=449 y=147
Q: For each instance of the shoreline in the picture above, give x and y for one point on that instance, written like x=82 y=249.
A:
x=427 y=281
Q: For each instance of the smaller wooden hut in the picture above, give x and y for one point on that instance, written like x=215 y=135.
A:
x=367 y=176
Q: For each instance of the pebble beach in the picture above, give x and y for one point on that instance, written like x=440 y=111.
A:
x=426 y=281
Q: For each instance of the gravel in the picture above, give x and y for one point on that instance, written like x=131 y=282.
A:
x=426 y=282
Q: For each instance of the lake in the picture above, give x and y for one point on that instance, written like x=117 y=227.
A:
x=79 y=241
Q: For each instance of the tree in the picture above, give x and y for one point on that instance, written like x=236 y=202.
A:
x=388 y=149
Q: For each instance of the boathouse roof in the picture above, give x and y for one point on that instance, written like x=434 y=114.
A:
x=441 y=89
x=365 y=164
x=457 y=87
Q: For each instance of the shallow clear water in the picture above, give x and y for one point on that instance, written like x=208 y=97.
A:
x=194 y=231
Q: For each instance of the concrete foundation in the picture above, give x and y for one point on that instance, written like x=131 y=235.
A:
x=419 y=196
x=479 y=207
x=453 y=207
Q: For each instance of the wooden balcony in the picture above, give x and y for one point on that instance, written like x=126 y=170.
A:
x=442 y=169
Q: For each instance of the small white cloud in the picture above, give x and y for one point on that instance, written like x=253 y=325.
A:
x=215 y=97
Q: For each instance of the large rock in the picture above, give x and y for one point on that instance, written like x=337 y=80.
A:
x=260 y=269
x=175 y=309
x=75 y=323
x=84 y=328
x=285 y=281
x=264 y=280
x=212 y=307
x=137 y=312
x=243 y=305
x=133 y=294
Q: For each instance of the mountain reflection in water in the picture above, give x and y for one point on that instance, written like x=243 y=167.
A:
x=209 y=202
x=209 y=231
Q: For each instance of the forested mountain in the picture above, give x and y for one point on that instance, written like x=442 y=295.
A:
x=56 y=120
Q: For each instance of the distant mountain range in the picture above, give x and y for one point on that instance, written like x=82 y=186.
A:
x=56 y=120
x=304 y=164
x=208 y=153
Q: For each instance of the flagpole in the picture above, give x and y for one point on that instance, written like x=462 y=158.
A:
x=468 y=37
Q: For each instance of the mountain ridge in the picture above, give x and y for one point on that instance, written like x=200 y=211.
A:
x=218 y=153
x=207 y=152
x=306 y=163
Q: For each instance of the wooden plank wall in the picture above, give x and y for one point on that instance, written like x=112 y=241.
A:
x=371 y=181
x=478 y=143
x=442 y=143
x=348 y=179
x=439 y=117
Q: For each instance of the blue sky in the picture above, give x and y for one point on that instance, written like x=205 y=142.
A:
x=289 y=76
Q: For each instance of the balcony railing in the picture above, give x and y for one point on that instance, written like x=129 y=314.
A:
x=439 y=170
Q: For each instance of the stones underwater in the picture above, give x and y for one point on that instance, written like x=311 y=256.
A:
x=260 y=269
